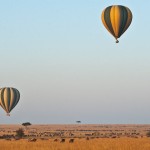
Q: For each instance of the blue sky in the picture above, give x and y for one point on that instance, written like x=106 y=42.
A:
x=67 y=67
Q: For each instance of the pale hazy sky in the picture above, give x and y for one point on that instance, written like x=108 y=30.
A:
x=67 y=67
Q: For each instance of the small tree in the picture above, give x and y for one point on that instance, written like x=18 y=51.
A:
x=20 y=133
x=148 y=134
x=78 y=121
x=26 y=124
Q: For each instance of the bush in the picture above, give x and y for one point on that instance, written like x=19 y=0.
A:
x=148 y=134
x=20 y=133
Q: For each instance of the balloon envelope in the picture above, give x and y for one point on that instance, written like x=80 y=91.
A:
x=9 y=97
x=116 y=19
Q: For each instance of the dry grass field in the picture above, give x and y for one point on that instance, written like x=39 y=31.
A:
x=79 y=144
x=84 y=137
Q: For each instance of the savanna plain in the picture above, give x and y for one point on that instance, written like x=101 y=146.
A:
x=75 y=137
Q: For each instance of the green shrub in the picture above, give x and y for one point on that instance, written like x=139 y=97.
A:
x=20 y=133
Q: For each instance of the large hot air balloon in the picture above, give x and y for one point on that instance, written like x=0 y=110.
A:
x=116 y=20
x=9 y=97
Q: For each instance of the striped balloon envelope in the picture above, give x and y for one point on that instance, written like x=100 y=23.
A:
x=9 y=97
x=116 y=19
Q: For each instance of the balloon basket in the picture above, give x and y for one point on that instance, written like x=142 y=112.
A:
x=117 y=41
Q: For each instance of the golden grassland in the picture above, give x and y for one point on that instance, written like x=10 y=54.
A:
x=101 y=137
x=79 y=144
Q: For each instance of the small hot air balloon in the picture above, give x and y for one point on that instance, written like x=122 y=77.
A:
x=9 y=97
x=116 y=19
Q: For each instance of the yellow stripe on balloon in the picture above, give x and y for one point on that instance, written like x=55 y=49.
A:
x=117 y=20
x=12 y=98
x=112 y=19
x=6 y=99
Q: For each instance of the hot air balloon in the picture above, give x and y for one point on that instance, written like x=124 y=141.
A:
x=116 y=19
x=9 y=97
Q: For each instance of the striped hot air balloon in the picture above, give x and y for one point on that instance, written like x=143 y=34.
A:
x=9 y=97
x=116 y=19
